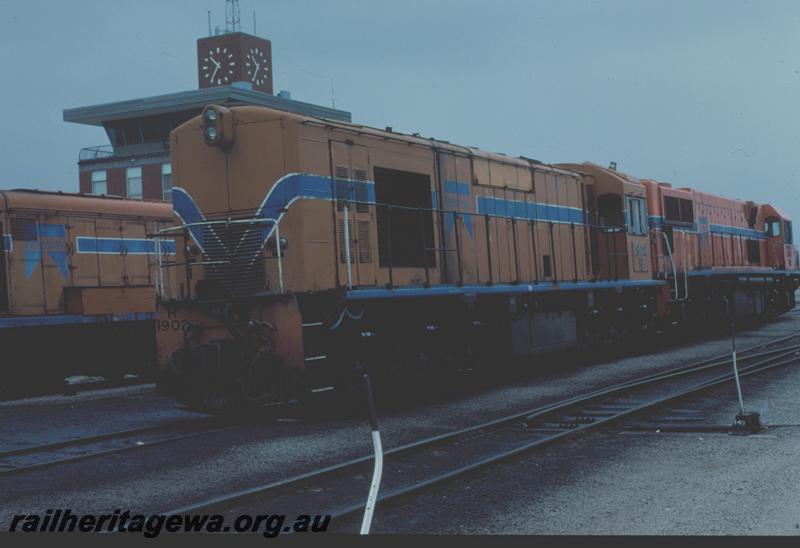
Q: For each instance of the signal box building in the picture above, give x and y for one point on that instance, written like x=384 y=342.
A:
x=233 y=68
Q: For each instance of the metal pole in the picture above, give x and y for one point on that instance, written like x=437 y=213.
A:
x=532 y=225
x=553 y=254
x=456 y=228
x=280 y=258
x=347 y=247
x=685 y=268
x=160 y=276
x=424 y=247
x=735 y=368
x=378 y=471
x=488 y=248
x=516 y=251
x=672 y=261
x=389 y=243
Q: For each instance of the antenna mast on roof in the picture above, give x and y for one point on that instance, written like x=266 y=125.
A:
x=232 y=18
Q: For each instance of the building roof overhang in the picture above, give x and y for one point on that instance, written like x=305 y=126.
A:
x=98 y=115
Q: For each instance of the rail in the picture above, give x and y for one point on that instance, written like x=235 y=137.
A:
x=418 y=465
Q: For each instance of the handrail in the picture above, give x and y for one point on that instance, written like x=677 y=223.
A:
x=347 y=259
x=685 y=269
x=674 y=270
x=531 y=242
x=226 y=222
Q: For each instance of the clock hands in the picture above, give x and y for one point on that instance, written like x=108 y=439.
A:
x=216 y=68
x=255 y=71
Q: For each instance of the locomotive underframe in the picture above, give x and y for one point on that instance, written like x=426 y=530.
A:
x=322 y=339
x=220 y=353
x=718 y=298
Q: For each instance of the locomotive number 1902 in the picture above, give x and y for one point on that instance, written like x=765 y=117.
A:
x=173 y=325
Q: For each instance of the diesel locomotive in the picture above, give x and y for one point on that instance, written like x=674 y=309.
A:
x=305 y=247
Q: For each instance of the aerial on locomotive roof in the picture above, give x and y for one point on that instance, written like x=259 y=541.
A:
x=308 y=244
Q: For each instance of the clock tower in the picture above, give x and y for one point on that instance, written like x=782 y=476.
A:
x=234 y=57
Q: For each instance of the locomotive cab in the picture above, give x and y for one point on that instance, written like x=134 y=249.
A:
x=780 y=249
x=620 y=231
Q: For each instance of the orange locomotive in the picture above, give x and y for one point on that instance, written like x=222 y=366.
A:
x=306 y=246
x=311 y=245
x=77 y=284
x=738 y=257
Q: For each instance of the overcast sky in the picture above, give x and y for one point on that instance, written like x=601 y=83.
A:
x=699 y=93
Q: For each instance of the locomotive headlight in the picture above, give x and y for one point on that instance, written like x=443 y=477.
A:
x=272 y=246
x=218 y=126
x=210 y=116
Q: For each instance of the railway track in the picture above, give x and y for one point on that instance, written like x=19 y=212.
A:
x=340 y=490
x=27 y=459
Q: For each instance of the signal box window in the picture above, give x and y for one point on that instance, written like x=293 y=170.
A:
x=99 y=182
x=166 y=182
x=133 y=182
x=405 y=231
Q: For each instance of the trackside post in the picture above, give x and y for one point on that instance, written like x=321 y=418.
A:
x=378 y=471
x=746 y=421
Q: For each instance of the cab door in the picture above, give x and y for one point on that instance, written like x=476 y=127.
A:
x=82 y=252
x=136 y=253
x=775 y=251
x=110 y=252
x=354 y=214
x=789 y=251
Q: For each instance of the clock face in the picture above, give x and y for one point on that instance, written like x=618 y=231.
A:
x=255 y=65
x=217 y=66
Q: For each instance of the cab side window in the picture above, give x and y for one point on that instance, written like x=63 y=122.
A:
x=773 y=227
x=609 y=210
x=636 y=215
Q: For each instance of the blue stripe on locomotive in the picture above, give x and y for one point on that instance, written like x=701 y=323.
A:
x=657 y=222
x=296 y=186
x=131 y=246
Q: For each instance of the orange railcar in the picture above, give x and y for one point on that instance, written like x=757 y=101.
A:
x=80 y=273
